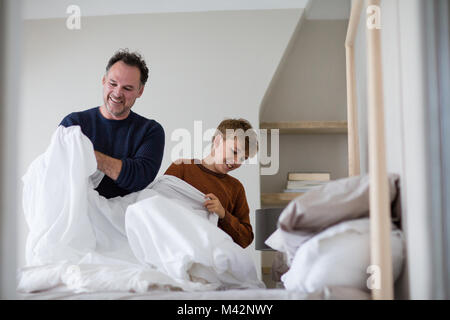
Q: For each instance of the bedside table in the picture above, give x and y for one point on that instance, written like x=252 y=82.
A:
x=266 y=221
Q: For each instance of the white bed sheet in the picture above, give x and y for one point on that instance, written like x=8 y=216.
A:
x=161 y=236
x=250 y=294
x=328 y=293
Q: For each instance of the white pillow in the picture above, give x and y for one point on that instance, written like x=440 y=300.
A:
x=337 y=201
x=339 y=256
x=286 y=242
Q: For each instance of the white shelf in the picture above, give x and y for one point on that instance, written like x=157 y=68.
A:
x=307 y=127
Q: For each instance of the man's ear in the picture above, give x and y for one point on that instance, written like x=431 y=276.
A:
x=141 y=90
x=103 y=80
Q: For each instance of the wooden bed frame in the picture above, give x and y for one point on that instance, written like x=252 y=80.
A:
x=380 y=221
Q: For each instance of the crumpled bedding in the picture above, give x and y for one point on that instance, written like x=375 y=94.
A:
x=161 y=237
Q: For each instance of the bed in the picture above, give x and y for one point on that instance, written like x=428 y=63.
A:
x=241 y=282
x=333 y=293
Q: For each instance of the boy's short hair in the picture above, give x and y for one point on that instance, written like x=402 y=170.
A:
x=239 y=128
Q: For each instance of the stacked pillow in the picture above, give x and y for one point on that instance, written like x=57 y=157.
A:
x=325 y=235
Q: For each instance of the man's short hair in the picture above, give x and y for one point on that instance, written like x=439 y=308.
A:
x=132 y=59
x=233 y=128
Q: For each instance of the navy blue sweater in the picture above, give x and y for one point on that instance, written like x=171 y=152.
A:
x=137 y=141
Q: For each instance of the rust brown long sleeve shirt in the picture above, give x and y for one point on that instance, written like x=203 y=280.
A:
x=230 y=192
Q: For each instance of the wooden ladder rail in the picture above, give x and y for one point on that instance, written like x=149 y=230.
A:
x=352 y=108
x=380 y=222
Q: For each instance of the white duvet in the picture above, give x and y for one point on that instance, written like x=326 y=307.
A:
x=161 y=237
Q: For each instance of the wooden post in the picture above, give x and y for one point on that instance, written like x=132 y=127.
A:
x=352 y=108
x=380 y=217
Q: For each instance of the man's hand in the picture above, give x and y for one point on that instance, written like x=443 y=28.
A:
x=214 y=206
x=108 y=165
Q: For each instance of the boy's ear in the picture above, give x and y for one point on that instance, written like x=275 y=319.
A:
x=217 y=140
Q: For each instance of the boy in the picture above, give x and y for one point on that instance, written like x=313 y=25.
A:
x=233 y=142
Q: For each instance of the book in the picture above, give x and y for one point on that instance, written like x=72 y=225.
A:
x=310 y=176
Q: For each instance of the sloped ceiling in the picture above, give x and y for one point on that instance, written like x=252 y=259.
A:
x=328 y=10
x=43 y=9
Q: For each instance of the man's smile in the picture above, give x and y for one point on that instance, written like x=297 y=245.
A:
x=115 y=100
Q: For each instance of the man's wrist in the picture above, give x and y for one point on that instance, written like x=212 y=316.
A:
x=108 y=165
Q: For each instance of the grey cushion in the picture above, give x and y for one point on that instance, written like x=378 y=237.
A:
x=318 y=209
x=337 y=201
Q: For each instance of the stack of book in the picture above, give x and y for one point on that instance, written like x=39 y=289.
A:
x=301 y=182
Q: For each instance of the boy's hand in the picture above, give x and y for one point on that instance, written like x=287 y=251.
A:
x=214 y=206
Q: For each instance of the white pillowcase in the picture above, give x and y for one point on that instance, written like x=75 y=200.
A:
x=287 y=242
x=339 y=256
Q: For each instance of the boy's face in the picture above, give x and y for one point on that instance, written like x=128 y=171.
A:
x=228 y=154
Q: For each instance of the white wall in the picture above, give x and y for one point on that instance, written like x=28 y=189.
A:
x=311 y=83
x=203 y=66
x=406 y=103
x=310 y=86
x=10 y=36
x=328 y=10
x=419 y=95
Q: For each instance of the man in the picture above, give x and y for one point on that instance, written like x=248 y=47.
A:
x=128 y=147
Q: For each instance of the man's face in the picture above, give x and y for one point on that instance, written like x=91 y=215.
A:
x=121 y=87
x=228 y=154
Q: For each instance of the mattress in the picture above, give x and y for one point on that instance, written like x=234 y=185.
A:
x=328 y=293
